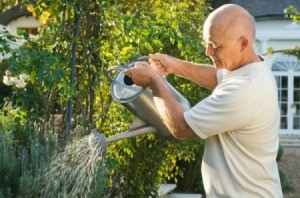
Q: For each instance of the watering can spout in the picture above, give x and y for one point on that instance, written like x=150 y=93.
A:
x=132 y=133
x=137 y=128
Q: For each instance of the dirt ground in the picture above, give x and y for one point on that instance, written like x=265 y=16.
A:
x=289 y=164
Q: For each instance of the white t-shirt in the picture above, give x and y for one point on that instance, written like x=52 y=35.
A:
x=239 y=122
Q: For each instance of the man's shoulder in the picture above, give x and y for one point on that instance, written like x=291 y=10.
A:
x=235 y=84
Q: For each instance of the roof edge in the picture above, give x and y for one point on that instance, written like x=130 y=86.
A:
x=13 y=13
x=272 y=17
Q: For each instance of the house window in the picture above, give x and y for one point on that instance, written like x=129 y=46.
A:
x=30 y=30
x=286 y=69
x=286 y=62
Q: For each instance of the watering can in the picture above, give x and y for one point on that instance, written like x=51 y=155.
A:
x=138 y=101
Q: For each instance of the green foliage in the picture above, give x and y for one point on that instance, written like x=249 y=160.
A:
x=4 y=45
x=13 y=119
x=286 y=185
x=6 y=4
x=293 y=13
x=191 y=178
x=47 y=71
x=280 y=153
x=295 y=51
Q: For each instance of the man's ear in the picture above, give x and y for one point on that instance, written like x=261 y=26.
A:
x=243 y=43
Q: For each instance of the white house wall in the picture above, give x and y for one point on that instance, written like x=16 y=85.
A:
x=18 y=40
x=277 y=29
x=283 y=44
x=24 y=22
x=262 y=45
x=278 y=34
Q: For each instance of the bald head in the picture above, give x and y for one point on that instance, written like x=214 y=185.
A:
x=233 y=21
x=229 y=34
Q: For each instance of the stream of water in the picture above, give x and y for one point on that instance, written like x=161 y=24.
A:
x=75 y=172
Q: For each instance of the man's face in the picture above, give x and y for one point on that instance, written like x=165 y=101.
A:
x=223 y=51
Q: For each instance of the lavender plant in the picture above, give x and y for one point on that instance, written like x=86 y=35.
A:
x=9 y=166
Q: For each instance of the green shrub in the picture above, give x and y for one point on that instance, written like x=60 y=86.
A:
x=280 y=152
x=286 y=185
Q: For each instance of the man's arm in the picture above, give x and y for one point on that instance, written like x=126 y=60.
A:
x=203 y=74
x=170 y=111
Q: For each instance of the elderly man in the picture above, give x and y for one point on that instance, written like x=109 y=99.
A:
x=239 y=120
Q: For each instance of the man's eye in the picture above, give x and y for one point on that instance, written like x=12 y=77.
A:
x=215 y=47
x=212 y=45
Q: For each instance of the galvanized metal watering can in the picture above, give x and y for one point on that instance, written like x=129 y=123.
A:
x=140 y=102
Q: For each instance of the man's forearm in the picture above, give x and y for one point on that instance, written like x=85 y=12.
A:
x=171 y=111
x=203 y=74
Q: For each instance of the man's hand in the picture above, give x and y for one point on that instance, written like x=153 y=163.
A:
x=142 y=74
x=162 y=63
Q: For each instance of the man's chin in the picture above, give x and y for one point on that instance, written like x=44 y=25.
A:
x=217 y=65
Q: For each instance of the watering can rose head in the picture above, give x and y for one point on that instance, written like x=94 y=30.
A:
x=97 y=141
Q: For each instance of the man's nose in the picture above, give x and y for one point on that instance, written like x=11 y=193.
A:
x=209 y=50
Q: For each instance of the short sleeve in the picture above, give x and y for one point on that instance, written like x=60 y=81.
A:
x=230 y=107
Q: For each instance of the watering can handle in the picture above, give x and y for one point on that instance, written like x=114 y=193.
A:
x=120 y=67
x=141 y=58
x=117 y=67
